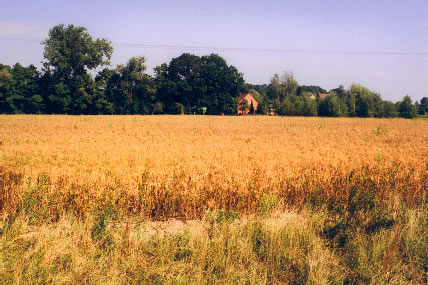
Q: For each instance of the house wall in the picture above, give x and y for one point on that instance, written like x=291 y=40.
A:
x=249 y=99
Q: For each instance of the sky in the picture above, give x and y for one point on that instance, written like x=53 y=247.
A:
x=394 y=32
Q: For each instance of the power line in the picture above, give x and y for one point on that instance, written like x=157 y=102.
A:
x=237 y=49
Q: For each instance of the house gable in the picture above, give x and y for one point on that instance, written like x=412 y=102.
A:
x=250 y=99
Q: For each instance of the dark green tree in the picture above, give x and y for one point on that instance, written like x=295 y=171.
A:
x=407 y=109
x=5 y=82
x=263 y=108
x=181 y=82
x=274 y=89
x=261 y=89
x=389 y=110
x=423 y=106
x=287 y=107
x=251 y=109
x=70 y=54
x=223 y=85
x=329 y=107
x=131 y=90
x=102 y=105
x=196 y=82
x=243 y=106
x=23 y=94
x=312 y=89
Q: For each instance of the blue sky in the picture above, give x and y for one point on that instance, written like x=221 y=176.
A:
x=376 y=25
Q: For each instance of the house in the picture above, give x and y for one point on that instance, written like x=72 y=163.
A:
x=324 y=95
x=309 y=95
x=250 y=100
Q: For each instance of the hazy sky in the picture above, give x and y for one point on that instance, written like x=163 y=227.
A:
x=355 y=26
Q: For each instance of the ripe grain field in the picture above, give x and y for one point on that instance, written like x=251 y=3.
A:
x=257 y=199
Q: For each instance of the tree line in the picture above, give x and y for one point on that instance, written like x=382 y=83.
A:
x=286 y=97
x=76 y=78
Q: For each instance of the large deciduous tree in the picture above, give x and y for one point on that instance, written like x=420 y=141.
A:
x=70 y=55
x=131 y=90
x=363 y=102
x=281 y=87
x=407 y=109
x=194 y=82
x=329 y=107
x=289 y=84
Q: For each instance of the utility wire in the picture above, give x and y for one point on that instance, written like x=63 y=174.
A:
x=237 y=49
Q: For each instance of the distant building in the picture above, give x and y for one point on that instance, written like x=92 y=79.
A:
x=324 y=95
x=272 y=110
x=251 y=100
x=309 y=95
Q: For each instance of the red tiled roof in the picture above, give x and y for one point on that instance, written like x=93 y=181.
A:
x=323 y=95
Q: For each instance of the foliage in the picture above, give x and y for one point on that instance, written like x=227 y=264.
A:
x=129 y=89
x=256 y=95
x=23 y=94
x=70 y=53
x=281 y=87
x=5 y=82
x=366 y=102
x=329 y=107
x=310 y=108
x=194 y=82
x=423 y=106
x=407 y=109
x=311 y=89
x=75 y=80
x=243 y=106
x=263 y=108
x=261 y=89
x=251 y=109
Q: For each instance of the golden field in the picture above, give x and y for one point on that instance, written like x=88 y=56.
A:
x=76 y=174
x=200 y=161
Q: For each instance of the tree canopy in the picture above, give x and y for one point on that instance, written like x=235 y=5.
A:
x=77 y=78
x=70 y=53
x=196 y=82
